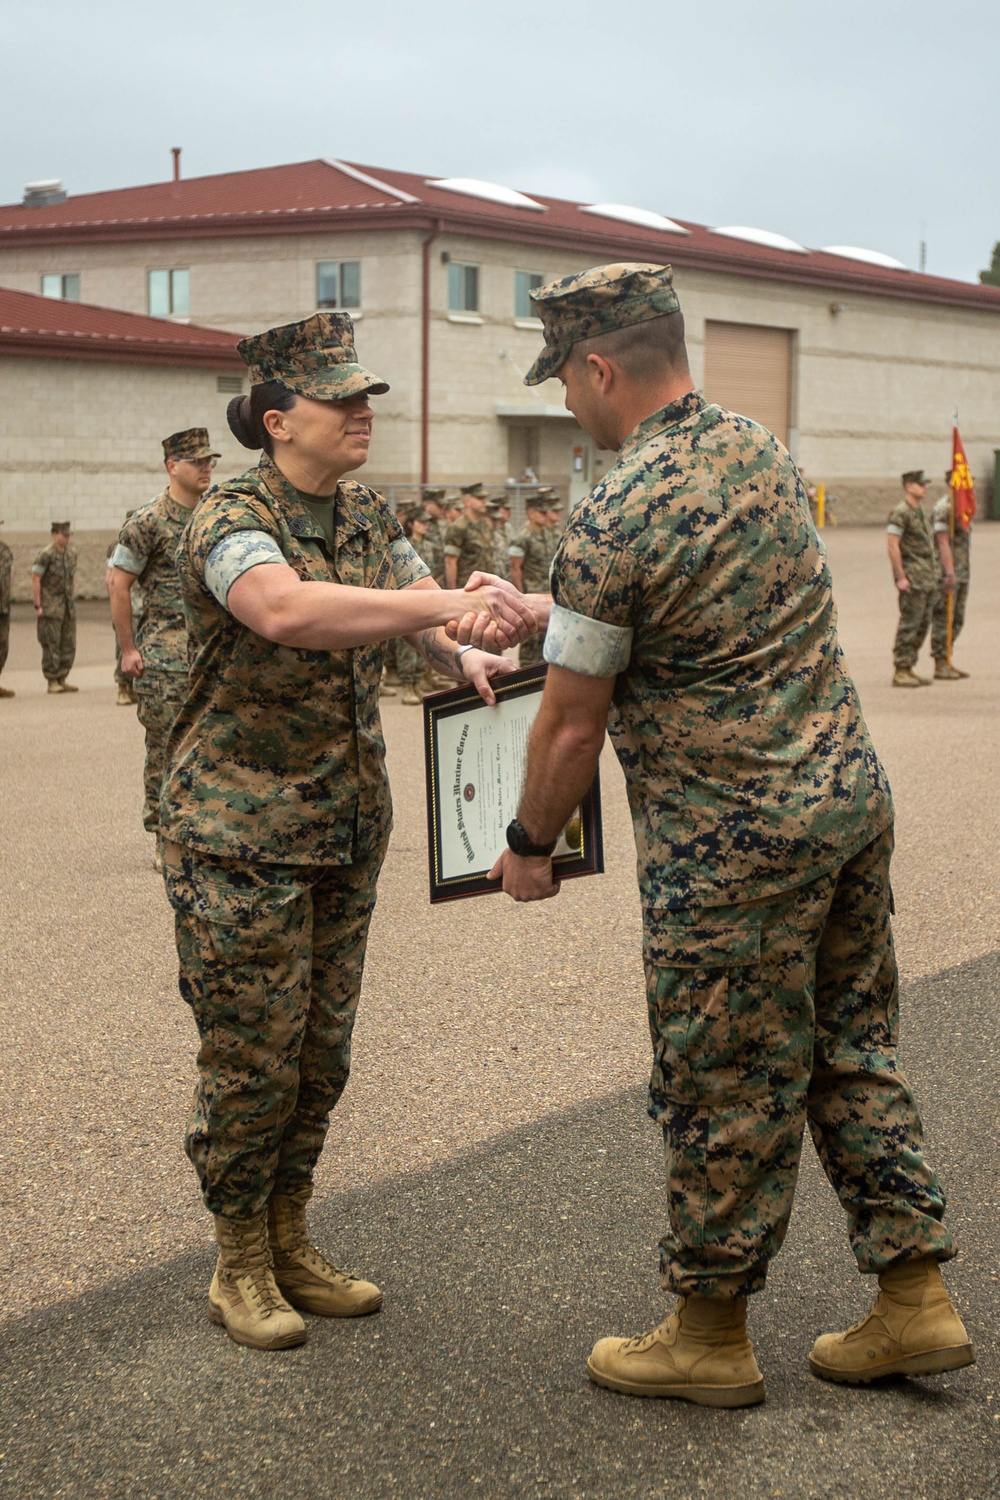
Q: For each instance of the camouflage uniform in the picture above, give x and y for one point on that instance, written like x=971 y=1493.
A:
x=432 y=550
x=470 y=539
x=275 y=814
x=960 y=549
x=56 y=625
x=693 y=574
x=537 y=549
x=6 y=569
x=147 y=548
x=916 y=604
x=411 y=664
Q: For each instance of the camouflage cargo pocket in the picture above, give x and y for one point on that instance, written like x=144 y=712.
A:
x=706 y=1012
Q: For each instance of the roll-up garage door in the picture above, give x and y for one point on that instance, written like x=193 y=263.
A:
x=749 y=370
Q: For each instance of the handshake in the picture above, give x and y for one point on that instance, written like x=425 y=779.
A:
x=496 y=614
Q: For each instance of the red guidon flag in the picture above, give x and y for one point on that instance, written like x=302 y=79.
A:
x=963 y=493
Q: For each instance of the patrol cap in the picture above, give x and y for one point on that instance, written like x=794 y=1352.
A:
x=547 y=492
x=475 y=489
x=315 y=357
x=536 y=502
x=915 y=476
x=594 y=302
x=436 y=495
x=496 y=504
x=64 y=526
x=191 y=444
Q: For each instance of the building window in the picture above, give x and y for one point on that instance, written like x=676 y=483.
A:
x=169 y=294
x=338 y=283
x=524 y=283
x=463 y=287
x=65 y=287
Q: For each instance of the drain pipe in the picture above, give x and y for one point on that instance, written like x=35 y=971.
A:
x=425 y=353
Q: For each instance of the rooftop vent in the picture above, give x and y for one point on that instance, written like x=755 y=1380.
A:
x=761 y=237
x=490 y=192
x=41 y=194
x=870 y=257
x=626 y=214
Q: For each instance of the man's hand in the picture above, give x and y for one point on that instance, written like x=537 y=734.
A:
x=512 y=619
x=132 y=663
x=479 y=666
x=903 y=584
x=525 y=877
x=948 y=582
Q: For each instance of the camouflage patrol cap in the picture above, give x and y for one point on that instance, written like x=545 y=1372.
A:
x=547 y=492
x=915 y=476
x=496 y=504
x=437 y=495
x=594 y=302
x=536 y=502
x=314 y=358
x=190 y=444
x=65 y=527
x=473 y=489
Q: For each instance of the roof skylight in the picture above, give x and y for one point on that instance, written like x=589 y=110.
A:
x=491 y=192
x=761 y=237
x=644 y=217
x=870 y=257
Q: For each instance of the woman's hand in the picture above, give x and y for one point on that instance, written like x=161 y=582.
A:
x=505 y=618
x=478 y=667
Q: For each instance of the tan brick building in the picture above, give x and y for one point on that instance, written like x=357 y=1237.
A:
x=856 y=362
x=87 y=394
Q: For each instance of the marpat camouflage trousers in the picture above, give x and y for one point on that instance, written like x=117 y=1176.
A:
x=271 y=959
x=530 y=653
x=411 y=664
x=159 y=696
x=57 y=637
x=765 y=1017
x=915 y=609
x=939 y=621
x=4 y=639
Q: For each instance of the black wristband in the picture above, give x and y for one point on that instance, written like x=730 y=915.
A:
x=520 y=842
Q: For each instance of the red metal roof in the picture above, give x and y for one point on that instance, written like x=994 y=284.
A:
x=34 y=325
x=330 y=195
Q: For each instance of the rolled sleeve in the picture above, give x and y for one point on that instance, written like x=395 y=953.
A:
x=130 y=562
x=591 y=647
x=894 y=530
x=235 y=555
x=407 y=567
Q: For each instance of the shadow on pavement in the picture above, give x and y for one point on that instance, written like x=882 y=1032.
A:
x=500 y=1269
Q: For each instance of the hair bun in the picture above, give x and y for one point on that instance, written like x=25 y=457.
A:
x=240 y=420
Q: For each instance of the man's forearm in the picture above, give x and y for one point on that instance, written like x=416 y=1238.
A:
x=451 y=572
x=120 y=594
x=439 y=651
x=895 y=557
x=36 y=590
x=562 y=759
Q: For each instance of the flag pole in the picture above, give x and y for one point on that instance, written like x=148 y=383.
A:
x=950 y=601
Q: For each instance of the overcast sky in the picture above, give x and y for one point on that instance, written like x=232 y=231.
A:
x=860 y=122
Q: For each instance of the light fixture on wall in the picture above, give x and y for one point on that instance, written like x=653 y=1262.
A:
x=445 y=257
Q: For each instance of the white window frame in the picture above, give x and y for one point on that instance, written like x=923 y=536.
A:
x=538 y=279
x=173 y=288
x=339 y=304
x=66 y=292
x=461 y=306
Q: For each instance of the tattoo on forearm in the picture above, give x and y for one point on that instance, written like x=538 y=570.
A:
x=440 y=653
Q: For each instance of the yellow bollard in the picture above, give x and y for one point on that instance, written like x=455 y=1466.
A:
x=820 y=506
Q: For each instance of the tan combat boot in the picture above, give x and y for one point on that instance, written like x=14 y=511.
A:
x=7 y=692
x=56 y=687
x=68 y=687
x=411 y=694
x=700 y=1354
x=125 y=698
x=304 y=1274
x=912 y=1330
x=945 y=672
x=244 y=1297
x=903 y=677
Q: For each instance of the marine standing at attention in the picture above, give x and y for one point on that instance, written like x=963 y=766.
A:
x=53 y=592
x=468 y=542
x=275 y=811
x=156 y=658
x=952 y=574
x=911 y=557
x=531 y=552
x=693 y=608
x=6 y=573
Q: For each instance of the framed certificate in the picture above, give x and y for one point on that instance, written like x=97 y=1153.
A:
x=475 y=758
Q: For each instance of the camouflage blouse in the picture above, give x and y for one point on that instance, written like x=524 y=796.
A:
x=57 y=570
x=693 y=572
x=277 y=755
x=147 y=547
x=909 y=523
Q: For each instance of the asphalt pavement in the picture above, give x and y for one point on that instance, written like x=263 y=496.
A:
x=491 y=1164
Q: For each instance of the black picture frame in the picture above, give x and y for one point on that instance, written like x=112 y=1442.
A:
x=588 y=859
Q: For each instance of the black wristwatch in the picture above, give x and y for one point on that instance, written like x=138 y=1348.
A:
x=519 y=840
